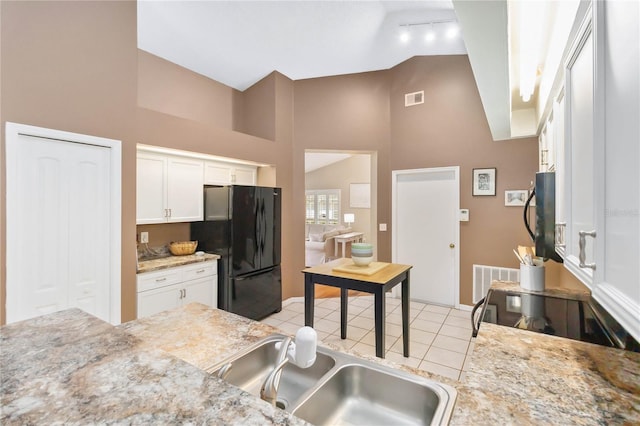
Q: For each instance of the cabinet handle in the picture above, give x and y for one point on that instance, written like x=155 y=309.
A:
x=560 y=227
x=169 y=212
x=543 y=157
x=581 y=244
x=159 y=280
x=185 y=292
x=200 y=271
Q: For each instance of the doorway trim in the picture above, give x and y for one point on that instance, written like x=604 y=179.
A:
x=395 y=174
x=12 y=132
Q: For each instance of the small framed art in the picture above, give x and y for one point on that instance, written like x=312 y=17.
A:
x=484 y=181
x=516 y=197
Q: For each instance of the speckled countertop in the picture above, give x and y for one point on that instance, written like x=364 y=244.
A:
x=173 y=261
x=72 y=368
x=518 y=377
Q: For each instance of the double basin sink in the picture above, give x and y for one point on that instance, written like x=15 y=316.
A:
x=341 y=389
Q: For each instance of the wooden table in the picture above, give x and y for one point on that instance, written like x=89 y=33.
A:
x=377 y=284
x=344 y=239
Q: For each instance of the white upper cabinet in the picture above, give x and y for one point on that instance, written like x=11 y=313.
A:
x=579 y=160
x=169 y=188
x=220 y=173
x=601 y=156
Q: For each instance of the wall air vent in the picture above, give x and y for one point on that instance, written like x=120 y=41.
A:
x=415 y=98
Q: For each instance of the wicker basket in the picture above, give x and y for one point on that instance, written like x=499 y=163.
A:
x=183 y=248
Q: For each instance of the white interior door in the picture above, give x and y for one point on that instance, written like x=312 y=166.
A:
x=426 y=231
x=59 y=228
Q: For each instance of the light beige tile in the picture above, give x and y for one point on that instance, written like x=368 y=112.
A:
x=298 y=319
x=393 y=330
x=420 y=324
x=394 y=319
x=416 y=350
x=451 y=343
x=356 y=333
x=362 y=322
x=445 y=357
x=458 y=322
x=431 y=316
x=289 y=328
x=451 y=331
x=326 y=325
x=443 y=310
x=332 y=303
x=417 y=306
x=345 y=344
x=333 y=316
x=284 y=315
x=364 y=349
x=364 y=301
x=392 y=301
x=295 y=307
x=459 y=313
x=368 y=313
x=370 y=339
x=472 y=344
x=422 y=337
x=400 y=359
x=321 y=312
x=322 y=335
x=467 y=361
x=271 y=321
x=441 y=370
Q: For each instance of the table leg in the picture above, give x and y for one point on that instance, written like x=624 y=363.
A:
x=309 y=290
x=405 y=315
x=344 y=303
x=379 y=321
x=335 y=247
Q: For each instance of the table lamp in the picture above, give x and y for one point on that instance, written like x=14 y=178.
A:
x=349 y=218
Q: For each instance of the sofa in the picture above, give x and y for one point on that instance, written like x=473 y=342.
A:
x=320 y=242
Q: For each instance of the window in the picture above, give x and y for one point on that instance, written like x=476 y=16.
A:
x=323 y=206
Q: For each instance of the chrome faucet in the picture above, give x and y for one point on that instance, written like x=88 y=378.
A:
x=269 y=390
x=306 y=340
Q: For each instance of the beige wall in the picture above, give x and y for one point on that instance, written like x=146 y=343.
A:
x=74 y=66
x=355 y=169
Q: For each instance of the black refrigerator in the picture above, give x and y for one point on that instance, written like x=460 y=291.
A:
x=242 y=225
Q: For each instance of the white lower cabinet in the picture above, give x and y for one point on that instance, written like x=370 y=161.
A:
x=171 y=288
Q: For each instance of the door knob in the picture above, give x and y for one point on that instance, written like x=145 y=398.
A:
x=452 y=245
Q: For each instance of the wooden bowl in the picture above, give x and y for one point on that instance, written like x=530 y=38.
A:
x=183 y=248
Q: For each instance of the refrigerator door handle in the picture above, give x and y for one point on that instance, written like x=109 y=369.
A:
x=253 y=274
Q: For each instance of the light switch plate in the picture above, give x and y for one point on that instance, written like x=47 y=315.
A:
x=464 y=215
x=382 y=227
x=144 y=237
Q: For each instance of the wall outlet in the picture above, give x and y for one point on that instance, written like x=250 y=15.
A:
x=144 y=237
x=382 y=227
x=464 y=215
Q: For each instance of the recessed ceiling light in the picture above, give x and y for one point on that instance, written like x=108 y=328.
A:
x=430 y=36
x=405 y=36
x=453 y=31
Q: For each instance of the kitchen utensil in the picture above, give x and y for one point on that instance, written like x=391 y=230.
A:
x=518 y=256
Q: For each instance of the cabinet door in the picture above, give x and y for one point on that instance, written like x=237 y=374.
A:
x=201 y=290
x=217 y=173
x=184 y=189
x=151 y=188
x=244 y=176
x=579 y=162
x=558 y=129
x=160 y=299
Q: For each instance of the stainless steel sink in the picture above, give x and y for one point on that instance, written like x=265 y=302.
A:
x=361 y=394
x=343 y=389
x=250 y=368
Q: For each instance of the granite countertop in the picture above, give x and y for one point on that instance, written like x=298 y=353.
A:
x=70 y=367
x=566 y=293
x=173 y=261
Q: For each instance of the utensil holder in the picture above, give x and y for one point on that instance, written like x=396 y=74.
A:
x=532 y=277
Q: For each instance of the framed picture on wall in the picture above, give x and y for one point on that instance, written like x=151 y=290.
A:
x=484 y=182
x=360 y=195
x=516 y=197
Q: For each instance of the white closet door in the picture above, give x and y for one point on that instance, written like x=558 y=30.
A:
x=58 y=228
x=425 y=211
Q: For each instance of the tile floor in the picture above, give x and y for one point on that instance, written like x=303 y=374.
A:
x=440 y=337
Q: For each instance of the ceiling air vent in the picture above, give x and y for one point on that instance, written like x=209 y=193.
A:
x=415 y=98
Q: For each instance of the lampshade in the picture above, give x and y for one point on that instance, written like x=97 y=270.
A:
x=349 y=218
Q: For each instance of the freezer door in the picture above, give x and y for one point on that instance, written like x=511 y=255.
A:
x=257 y=295
x=268 y=219
x=244 y=222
